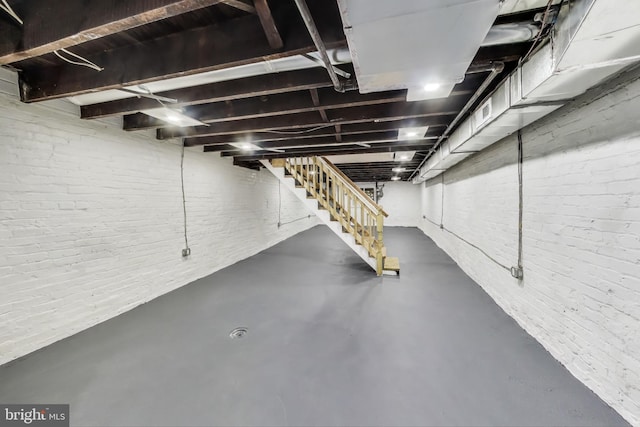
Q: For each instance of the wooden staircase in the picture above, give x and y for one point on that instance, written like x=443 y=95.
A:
x=341 y=204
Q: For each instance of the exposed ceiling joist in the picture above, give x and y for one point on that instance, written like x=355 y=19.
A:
x=303 y=121
x=239 y=4
x=247 y=87
x=166 y=57
x=325 y=132
x=50 y=26
x=274 y=105
x=373 y=138
x=297 y=112
x=352 y=149
x=380 y=171
x=316 y=103
x=268 y=24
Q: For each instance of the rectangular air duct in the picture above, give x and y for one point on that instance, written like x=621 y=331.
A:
x=425 y=46
x=593 y=40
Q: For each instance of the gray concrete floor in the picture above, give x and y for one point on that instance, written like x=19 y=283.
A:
x=329 y=343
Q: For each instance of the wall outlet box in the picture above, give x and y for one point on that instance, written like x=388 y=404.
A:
x=186 y=252
x=517 y=272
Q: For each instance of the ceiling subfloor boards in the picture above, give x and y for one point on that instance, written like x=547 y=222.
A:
x=195 y=53
x=50 y=26
x=166 y=57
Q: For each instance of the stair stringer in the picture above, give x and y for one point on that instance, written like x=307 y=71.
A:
x=322 y=214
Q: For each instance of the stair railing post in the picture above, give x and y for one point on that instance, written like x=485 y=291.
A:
x=379 y=243
x=361 y=221
x=380 y=229
x=304 y=173
x=349 y=208
x=309 y=176
x=313 y=176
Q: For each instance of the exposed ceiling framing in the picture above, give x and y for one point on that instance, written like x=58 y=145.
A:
x=287 y=113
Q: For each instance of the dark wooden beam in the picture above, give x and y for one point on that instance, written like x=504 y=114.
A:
x=258 y=86
x=50 y=26
x=239 y=4
x=330 y=151
x=503 y=53
x=267 y=106
x=370 y=138
x=355 y=142
x=380 y=171
x=268 y=24
x=304 y=121
x=237 y=42
x=347 y=129
x=316 y=103
x=378 y=166
x=248 y=165
x=247 y=87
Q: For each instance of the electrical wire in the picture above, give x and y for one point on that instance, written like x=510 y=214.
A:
x=520 y=199
x=297 y=132
x=442 y=201
x=7 y=8
x=442 y=227
x=295 y=220
x=83 y=61
x=184 y=201
x=280 y=209
x=478 y=248
x=539 y=35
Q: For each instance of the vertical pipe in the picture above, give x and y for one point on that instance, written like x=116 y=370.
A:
x=317 y=40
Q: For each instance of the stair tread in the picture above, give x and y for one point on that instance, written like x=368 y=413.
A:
x=324 y=187
x=392 y=263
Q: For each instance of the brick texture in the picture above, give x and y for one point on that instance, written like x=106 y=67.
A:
x=580 y=296
x=91 y=220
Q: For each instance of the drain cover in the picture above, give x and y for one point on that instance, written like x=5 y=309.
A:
x=238 y=333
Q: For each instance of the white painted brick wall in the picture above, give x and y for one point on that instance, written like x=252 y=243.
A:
x=401 y=201
x=580 y=296
x=91 y=220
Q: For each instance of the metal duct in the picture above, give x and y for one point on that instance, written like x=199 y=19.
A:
x=593 y=40
x=317 y=41
x=289 y=63
x=400 y=44
x=511 y=33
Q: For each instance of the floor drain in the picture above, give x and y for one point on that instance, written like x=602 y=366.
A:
x=238 y=333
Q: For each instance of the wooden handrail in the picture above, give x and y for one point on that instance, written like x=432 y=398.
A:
x=346 y=202
x=363 y=196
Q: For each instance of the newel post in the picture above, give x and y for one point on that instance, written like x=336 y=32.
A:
x=379 y=243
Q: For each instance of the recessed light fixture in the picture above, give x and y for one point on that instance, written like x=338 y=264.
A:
x=412 y=133
x=173 y=116
x=246 y=146
x=403 y=156
x=395 y=178
x=398 y=170
x=431 y=87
